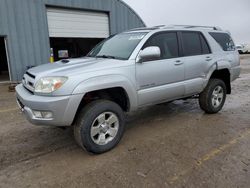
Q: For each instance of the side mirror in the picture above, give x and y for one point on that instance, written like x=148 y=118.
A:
x=149 y=54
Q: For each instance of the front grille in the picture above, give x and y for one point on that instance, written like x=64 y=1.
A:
x=29 y=90
x=31 y=84
x=28 y=82
x=30 y=75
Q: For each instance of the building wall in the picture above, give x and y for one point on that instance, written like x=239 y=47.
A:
x=24 y=22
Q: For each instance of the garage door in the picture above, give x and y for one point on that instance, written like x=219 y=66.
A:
x=80 y=24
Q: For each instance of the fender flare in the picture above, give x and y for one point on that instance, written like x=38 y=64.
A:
x=223 y=64
x=108 y=82
x=218 y=65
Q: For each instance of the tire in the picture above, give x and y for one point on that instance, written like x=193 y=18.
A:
x=94 y=134
x=211 y=100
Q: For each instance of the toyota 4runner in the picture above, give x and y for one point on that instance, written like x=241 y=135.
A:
x=126 y=72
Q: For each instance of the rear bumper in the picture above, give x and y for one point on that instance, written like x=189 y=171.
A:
x=235 y=73
x=63 y=108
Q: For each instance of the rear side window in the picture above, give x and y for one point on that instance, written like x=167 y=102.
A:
x=194 y=43
x=191 y=43
x=224 y=40
x=167 y=42
x=204 y=45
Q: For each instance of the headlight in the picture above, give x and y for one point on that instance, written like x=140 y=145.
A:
x=49 y=84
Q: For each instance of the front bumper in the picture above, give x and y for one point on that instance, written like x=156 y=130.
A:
x=63 y=108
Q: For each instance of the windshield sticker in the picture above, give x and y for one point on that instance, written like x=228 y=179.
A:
x=136 y=37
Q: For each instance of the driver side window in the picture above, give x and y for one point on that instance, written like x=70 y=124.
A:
x=167 y=42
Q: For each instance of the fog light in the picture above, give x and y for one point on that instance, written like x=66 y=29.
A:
x=47 y=115
x=37 y=114
x=43 y=114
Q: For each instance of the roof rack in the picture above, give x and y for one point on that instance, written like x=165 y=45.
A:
x=147 y=28
x=194 y=26
x=173 y=26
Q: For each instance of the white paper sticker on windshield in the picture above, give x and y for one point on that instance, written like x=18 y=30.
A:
x=136 y=37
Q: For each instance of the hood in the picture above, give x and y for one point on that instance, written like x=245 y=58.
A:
x=74 y=66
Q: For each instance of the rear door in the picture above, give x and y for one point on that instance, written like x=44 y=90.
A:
x=162 y=79
x=196 y=56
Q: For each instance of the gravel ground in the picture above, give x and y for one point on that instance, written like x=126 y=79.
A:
x=169 y=145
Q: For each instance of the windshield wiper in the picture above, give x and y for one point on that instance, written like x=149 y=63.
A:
x=106 y=56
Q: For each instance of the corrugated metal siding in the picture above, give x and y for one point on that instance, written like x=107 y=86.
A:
x=24 y=22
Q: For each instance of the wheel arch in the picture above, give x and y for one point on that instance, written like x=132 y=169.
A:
x=224 y=75
x=109 y=87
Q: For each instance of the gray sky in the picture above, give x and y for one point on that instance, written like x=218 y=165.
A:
x=232 y=15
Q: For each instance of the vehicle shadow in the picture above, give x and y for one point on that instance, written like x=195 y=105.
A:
x=31 y=142
x=163 y=111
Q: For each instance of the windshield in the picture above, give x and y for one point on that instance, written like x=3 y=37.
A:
x=119 y=46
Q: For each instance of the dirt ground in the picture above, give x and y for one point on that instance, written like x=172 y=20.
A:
x=170 y=145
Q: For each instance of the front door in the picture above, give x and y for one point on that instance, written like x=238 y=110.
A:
x=162 y=79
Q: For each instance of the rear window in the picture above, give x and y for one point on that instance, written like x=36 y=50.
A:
x=224 y=40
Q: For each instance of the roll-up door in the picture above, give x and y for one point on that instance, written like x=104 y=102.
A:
x=67 y=23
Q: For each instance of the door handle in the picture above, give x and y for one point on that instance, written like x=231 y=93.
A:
x=208 y=58
x=178 y=62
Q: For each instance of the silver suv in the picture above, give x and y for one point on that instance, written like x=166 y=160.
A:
x=128 y=71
